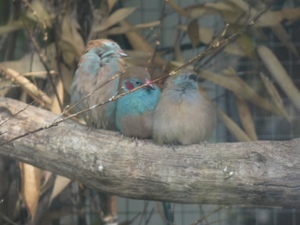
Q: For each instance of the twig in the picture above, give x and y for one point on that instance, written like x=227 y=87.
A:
x=179 y=38
x=170 y=49
x=202 y=214
x=44 y=61
x=34 y=13
x=9 y=86
x=8 y=220
x=56 y=38
x=12 y=115
x=143 y=213
x=207 y=215
x=35 y=73
x=221 y=43
x=149 y=217
x=31 y=89
x=198 y=65
x=216 y=221
x=132 y=220
x=157 y=42
x=215 y=53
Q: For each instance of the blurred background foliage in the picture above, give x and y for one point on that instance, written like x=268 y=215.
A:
x=254 y=81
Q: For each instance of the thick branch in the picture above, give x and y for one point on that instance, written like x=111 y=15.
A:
x=263 y=173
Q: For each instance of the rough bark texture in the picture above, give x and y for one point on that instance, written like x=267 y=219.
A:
x=263 y=172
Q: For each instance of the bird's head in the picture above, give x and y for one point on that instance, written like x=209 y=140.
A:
x=131 y=83
x=183 y=80
x=104 y=48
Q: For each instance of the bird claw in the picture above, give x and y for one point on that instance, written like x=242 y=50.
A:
x=90 y=129
x=121 y=137
x=137 y=141
x=204 y=143
x=173 y=145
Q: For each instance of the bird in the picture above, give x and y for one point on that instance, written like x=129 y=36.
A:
x=134 y=113
x=183 y=115
x=100 y=61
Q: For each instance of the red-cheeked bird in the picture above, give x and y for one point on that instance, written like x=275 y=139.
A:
x=134 y=113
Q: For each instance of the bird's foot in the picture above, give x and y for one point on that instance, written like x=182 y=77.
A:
x=137 y=141
x=173 y=145
x=204 y=143
x=120 y=139
x=90 y=129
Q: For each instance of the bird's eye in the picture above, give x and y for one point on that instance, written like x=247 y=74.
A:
x=138 y=83
x=184 y=77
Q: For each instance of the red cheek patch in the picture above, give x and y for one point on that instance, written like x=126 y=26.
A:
x=129 y=85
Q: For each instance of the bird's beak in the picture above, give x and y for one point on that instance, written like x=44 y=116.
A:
x=149 y=86
x=122 y=53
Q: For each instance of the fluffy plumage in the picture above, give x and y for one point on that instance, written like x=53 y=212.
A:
x=100 y=61
x=183 y=115
x=134 y=114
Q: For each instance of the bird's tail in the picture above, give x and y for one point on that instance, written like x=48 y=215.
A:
x=168 y=213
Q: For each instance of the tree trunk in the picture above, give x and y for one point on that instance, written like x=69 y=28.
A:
x=263 y=173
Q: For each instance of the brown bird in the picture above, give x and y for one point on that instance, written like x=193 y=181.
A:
x=183 y=115
x=100 y=61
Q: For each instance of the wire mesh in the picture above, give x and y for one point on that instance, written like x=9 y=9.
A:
x=269 y=126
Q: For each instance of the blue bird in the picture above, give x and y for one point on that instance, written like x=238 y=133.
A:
x=100 y=61
x=183 y=115
x=134 y=113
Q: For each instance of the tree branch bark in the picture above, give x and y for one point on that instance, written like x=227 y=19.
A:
x=263 y=173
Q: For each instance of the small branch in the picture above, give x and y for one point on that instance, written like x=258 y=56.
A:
x=36 y=73
x=44 y=61
x=31 y=89
x=207 y=215
x=17 y=113
x=7 y=219
x=34 y=13
x=157 y=42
